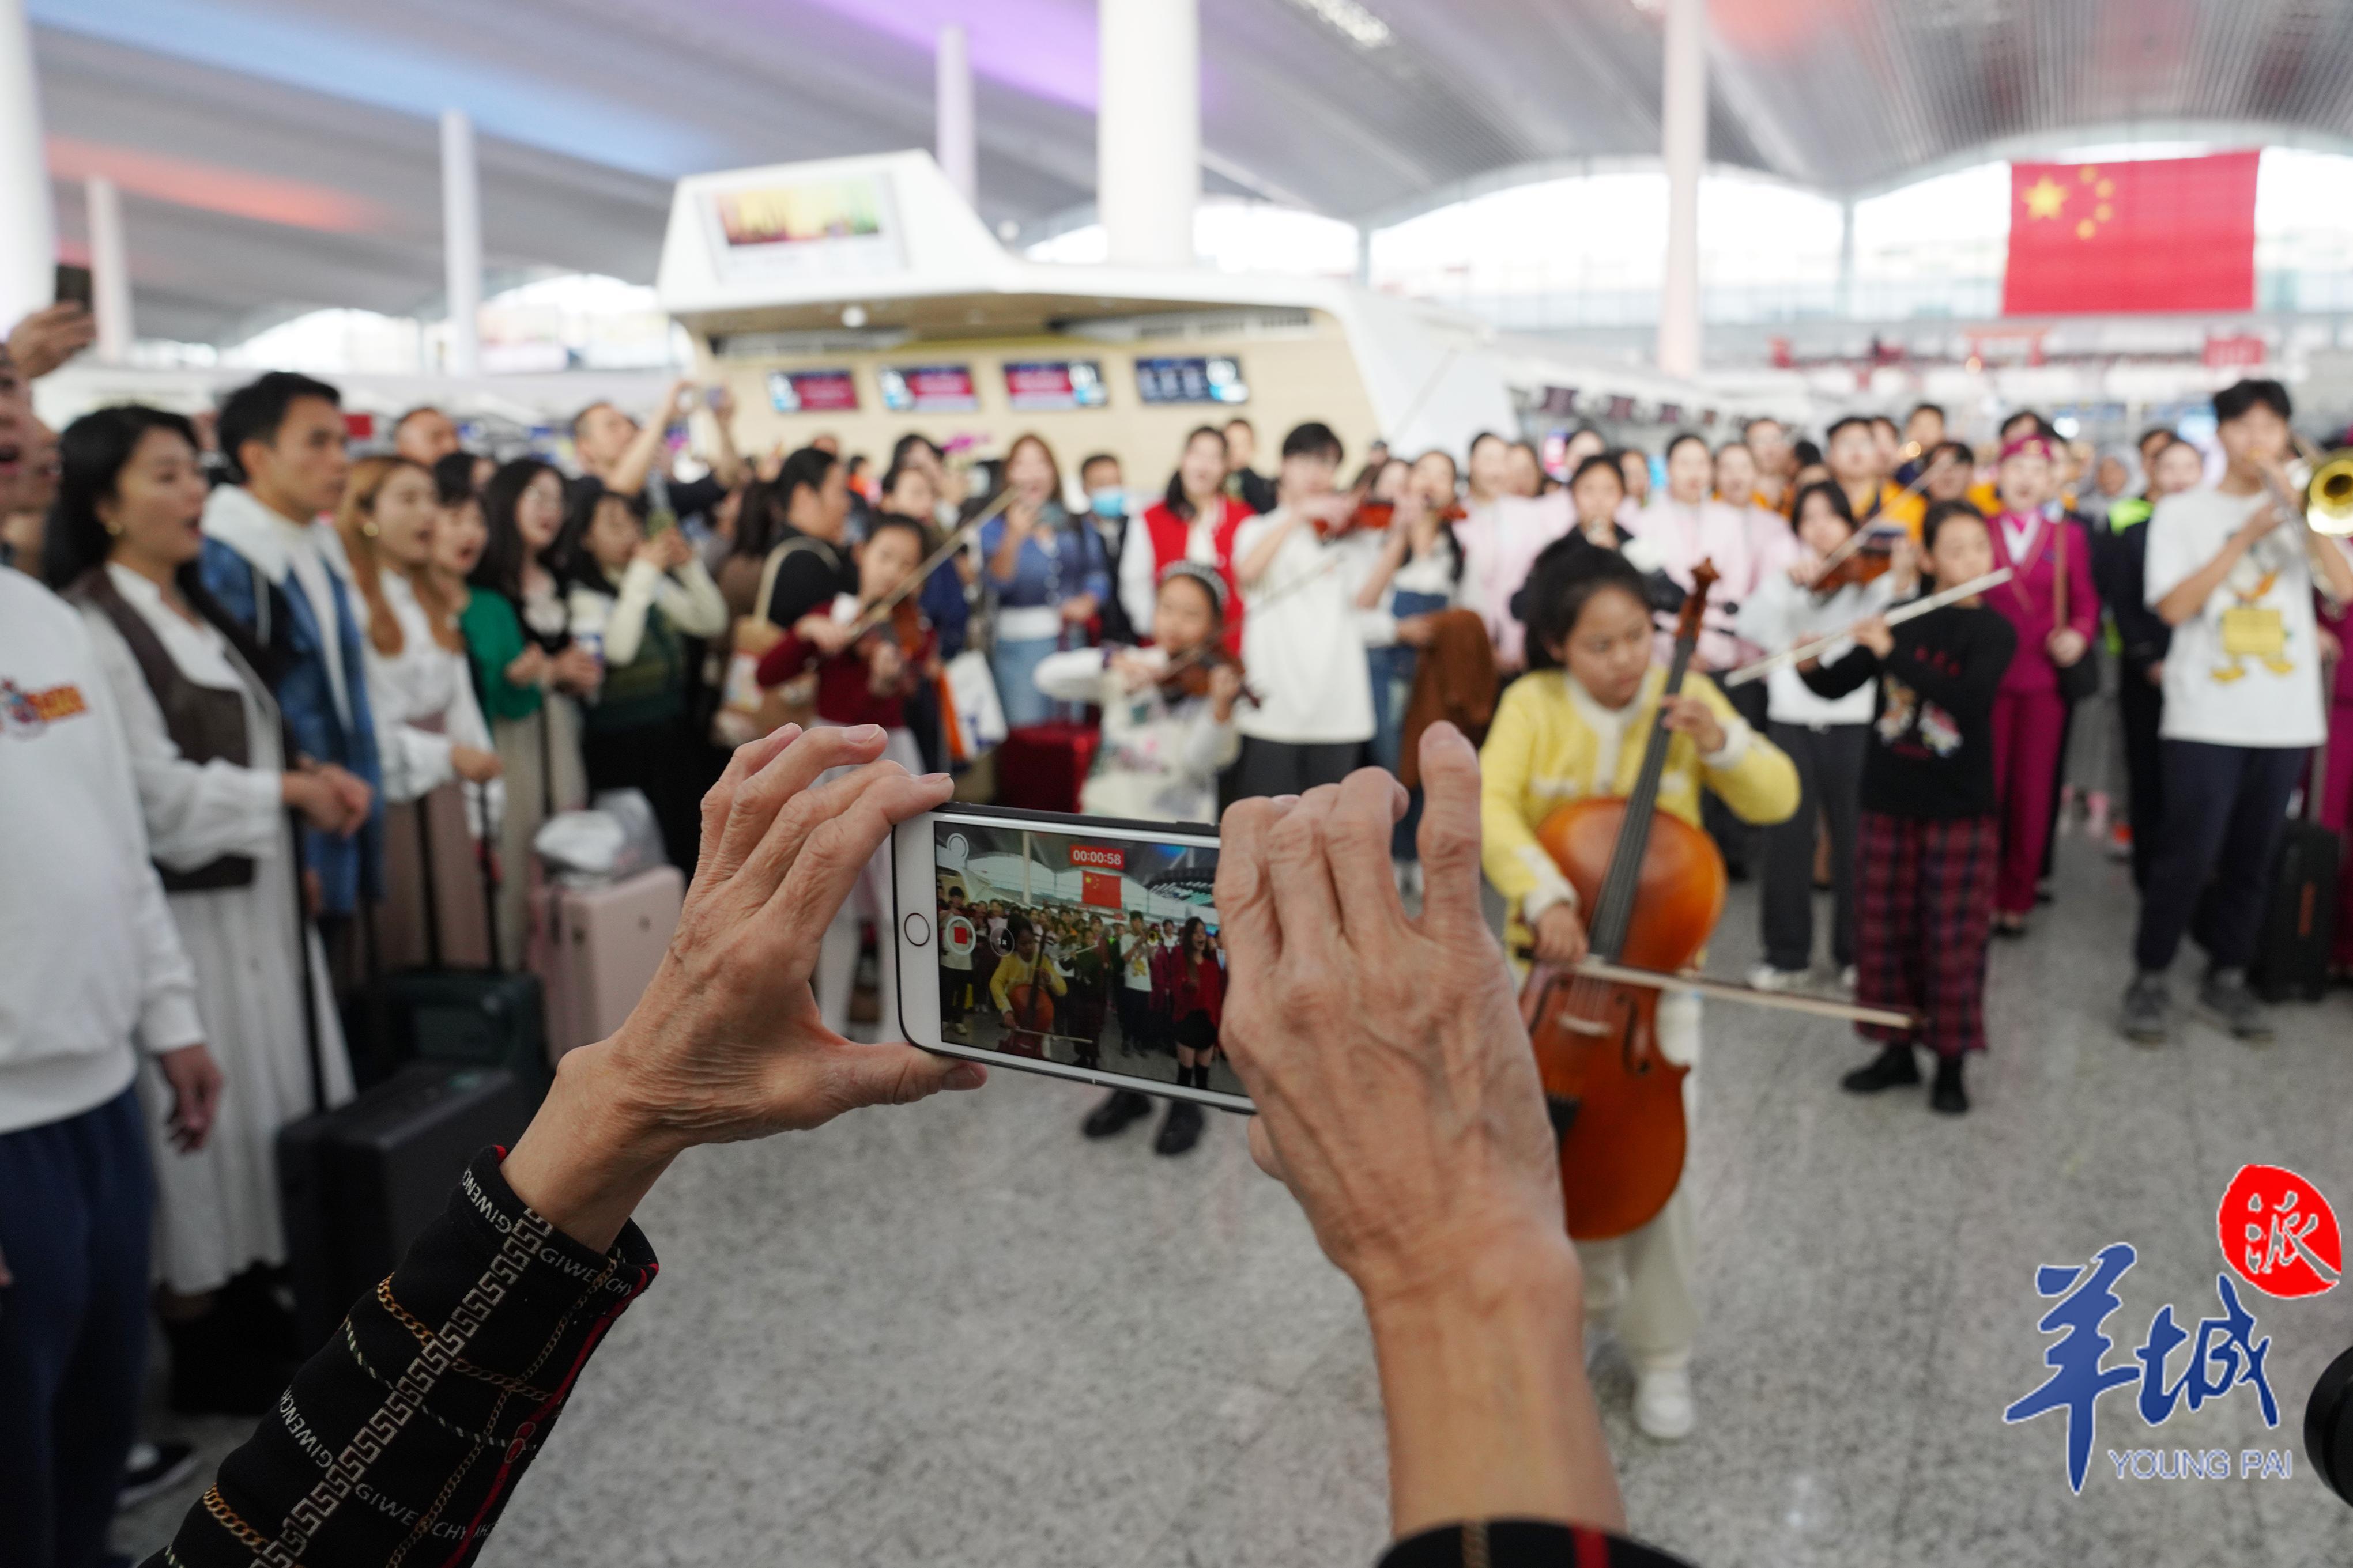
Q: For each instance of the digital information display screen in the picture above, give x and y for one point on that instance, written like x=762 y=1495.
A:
x=1214 y=378
x=927 y=388
x=1046 y=385
x=812 y=392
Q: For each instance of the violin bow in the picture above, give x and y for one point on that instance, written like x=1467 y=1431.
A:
x=1724 y=990
x=876 y=613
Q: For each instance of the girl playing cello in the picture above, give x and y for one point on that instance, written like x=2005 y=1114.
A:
x=1576 y=726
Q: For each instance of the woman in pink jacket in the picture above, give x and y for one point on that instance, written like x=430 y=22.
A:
x=2029 y=715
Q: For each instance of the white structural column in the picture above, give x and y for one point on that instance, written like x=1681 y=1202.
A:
x=110 y=270
x=1148 y=129
x=1684 y=116
x=1846 y=259
x=28 y=227
x=461 y=242
x=952 y=96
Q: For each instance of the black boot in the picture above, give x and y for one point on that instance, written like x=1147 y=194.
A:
x=1112 y=1117
x=1948 y=1095
x=1894 y=1068
x=1181 y=1131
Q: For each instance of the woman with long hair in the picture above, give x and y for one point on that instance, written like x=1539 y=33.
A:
x=1051 y=576
x=1826 y=738
x=1196 y=1008
x=430 y=733
x=528 y=672
x=638 y=597
x=214 y=788
x=1194 y=522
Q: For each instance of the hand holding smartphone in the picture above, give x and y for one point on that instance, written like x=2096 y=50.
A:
x=1084 y=948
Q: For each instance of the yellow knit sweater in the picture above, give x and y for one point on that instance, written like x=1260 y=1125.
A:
x=1551 y=744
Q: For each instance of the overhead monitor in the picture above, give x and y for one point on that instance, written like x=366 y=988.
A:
x=1214 y=378
x=927 y=388
x=804 y=228
x=812 y=392
x=1046 y=385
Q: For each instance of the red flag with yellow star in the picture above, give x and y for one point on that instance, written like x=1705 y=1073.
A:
x=2165 y=234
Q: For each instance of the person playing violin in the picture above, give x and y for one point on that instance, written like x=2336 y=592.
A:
x=1824 y=736
x=1167 y=709
x=864 y=675
x=1301 y=639
x=1576 y=726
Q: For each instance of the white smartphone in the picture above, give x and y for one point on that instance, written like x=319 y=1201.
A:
x=1080 y=947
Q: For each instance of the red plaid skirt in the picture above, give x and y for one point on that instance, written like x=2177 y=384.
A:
x=1924 y=914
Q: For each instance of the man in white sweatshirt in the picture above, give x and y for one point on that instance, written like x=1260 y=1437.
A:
x=91 y=975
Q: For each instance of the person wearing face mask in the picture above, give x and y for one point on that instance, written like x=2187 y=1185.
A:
x=216 y=791
x=270 y=564
x=1107 y=490
x=429 y=728
x=530 y=672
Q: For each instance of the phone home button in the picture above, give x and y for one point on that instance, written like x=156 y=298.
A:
x=918 y=930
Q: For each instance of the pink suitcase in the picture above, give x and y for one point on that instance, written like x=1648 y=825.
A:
x=603 y=945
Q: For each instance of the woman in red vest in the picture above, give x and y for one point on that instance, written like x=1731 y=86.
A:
x=1195 y=521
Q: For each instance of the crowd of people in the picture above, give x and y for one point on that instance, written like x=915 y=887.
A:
x=283 y=720
x=1069 y=985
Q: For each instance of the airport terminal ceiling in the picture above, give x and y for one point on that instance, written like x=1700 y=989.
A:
x=285 y=141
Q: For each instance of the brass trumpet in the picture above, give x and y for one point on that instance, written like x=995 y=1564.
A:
x=2328 y=495
x=2317 y=496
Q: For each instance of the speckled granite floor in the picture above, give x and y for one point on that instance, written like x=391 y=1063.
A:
x=960 y=1334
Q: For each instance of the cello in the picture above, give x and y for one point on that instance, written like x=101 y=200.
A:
x=1655 y=885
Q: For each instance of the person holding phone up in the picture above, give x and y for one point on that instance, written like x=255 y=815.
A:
x=1397 y=1099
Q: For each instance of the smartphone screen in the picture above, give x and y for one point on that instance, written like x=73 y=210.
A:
x=1080 y=947
x=74 y=286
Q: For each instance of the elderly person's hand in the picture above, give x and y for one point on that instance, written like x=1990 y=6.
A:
x=726 y=1042
x=1398 y=1099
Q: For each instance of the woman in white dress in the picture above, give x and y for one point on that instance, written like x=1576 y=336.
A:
x=216 y=787
x=438 y=765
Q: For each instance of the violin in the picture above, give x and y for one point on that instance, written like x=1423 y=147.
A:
x=1867 y=555
x=1375 y=516
x=1654 y=886
x=1187 y=674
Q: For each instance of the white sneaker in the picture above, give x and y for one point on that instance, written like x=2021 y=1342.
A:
x=1765 y=977
x=1663 y=1404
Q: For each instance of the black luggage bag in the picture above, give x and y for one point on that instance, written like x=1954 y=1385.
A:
x=358 y=1183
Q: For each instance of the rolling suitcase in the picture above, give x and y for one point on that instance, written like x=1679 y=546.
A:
x=1043 y=768
x=2299 y=928
x=601 y=944
x=358 y=1183
x=477 y=1017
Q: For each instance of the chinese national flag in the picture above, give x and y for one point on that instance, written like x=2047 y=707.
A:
x=2167 y=234
x=1100 y=888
